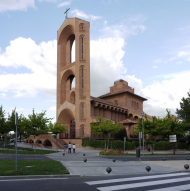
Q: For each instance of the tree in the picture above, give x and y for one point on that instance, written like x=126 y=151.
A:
x=121 y=134
x=57 y=128
x=106 y=127
x=184 y=112
x=37 y=124
x=4 y=128
x=151 y=128
x=161 y=126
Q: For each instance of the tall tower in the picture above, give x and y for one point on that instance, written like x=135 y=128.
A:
x=73 y=104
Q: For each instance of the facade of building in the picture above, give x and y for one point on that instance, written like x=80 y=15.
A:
x=75 y=107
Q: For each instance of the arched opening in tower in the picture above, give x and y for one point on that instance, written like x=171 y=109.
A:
x=72 y=82
x=73 y=52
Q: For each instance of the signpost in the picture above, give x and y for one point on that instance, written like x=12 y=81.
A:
x=173 y=139
x=16 y=121
x=124 y=145
x=140 y=137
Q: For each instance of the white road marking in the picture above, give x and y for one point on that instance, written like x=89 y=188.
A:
x=142 y=184
x=174 y=188
x=134 y=178
x=30 y=179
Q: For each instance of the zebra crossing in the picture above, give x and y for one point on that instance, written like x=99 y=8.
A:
x=164 y=182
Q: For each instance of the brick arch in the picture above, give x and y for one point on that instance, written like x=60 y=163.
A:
x=81 y=26
x=39 y=141
x=136 y=118
x=30 y=141
x=47 y=143
x=65 y=42
x=65 y=116
x=72 y=97
x=130 y=116
x=66 y=82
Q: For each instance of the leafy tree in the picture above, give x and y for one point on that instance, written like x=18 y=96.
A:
x=151 y=128
x=184 y=112
x=37 y=124
x=106 y=127
x=4 y=128
x=121 y=134
x=161 y=126
x=56 y=128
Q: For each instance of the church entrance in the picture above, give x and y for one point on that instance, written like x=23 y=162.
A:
x=72 y=129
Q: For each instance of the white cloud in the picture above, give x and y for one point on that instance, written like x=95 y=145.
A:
x=6 y=5
x=155 y=67
x=166 y=94
x=40 y=59
x=64 y=4
x=53 y=108
x=2 y=95
x=81 y=14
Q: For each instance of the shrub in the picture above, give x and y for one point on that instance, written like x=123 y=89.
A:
x=116 y=144
x=163 y=145
x=181 y=145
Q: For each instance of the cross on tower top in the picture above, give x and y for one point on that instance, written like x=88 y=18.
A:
x=66 y=12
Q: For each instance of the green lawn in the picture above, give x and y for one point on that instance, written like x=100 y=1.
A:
x=21 y=150
x=31 y=167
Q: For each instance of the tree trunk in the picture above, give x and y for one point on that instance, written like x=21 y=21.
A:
x=5 y=139
x=20 y=137
x=174 y=148
x=35 y=144
x=105 y=145
x=108 y=142
x=56 y=144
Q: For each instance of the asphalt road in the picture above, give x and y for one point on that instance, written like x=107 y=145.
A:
x=23 y=157
x=156 y=182
x=146 y=158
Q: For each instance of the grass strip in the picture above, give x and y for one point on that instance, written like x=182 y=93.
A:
x=21 y=150
x=31 y=167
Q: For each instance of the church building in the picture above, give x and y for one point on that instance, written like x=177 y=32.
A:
x=76 y=108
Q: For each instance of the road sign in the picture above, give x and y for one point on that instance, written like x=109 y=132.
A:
x=172 y=138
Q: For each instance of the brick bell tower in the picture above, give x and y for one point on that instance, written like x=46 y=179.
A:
x=73 y=104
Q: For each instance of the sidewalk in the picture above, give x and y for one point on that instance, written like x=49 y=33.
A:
x=96 y=165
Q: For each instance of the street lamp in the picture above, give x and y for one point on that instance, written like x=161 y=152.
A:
x=142 y=113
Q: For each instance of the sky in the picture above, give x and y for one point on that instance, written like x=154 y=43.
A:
x=145 y=42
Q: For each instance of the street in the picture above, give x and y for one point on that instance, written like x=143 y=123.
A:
x=156 y=182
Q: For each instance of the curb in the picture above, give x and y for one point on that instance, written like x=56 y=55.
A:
x=38 y=176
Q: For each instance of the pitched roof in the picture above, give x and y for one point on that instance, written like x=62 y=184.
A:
x=128 y=121
x=103 y=101
x=119 y=92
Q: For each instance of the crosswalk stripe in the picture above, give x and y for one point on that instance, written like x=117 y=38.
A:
x=142 y=184
x=174 y=188
x=134 y=178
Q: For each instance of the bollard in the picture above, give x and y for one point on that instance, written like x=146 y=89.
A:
x=108 y=169
x=164 y=159
x=83 y=154
x=85 y=160
x=63 y=154
x=187 y=158
x=186 y=166
x=148 y=168
x=113 y=160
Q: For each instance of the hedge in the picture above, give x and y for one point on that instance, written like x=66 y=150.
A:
x=116 y=144
x=166 y=145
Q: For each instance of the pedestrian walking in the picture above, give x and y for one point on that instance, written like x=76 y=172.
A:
x=74 y=147
x=65 y=147
x=69 y=147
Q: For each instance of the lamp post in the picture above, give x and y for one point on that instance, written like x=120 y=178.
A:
x=143 y=130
